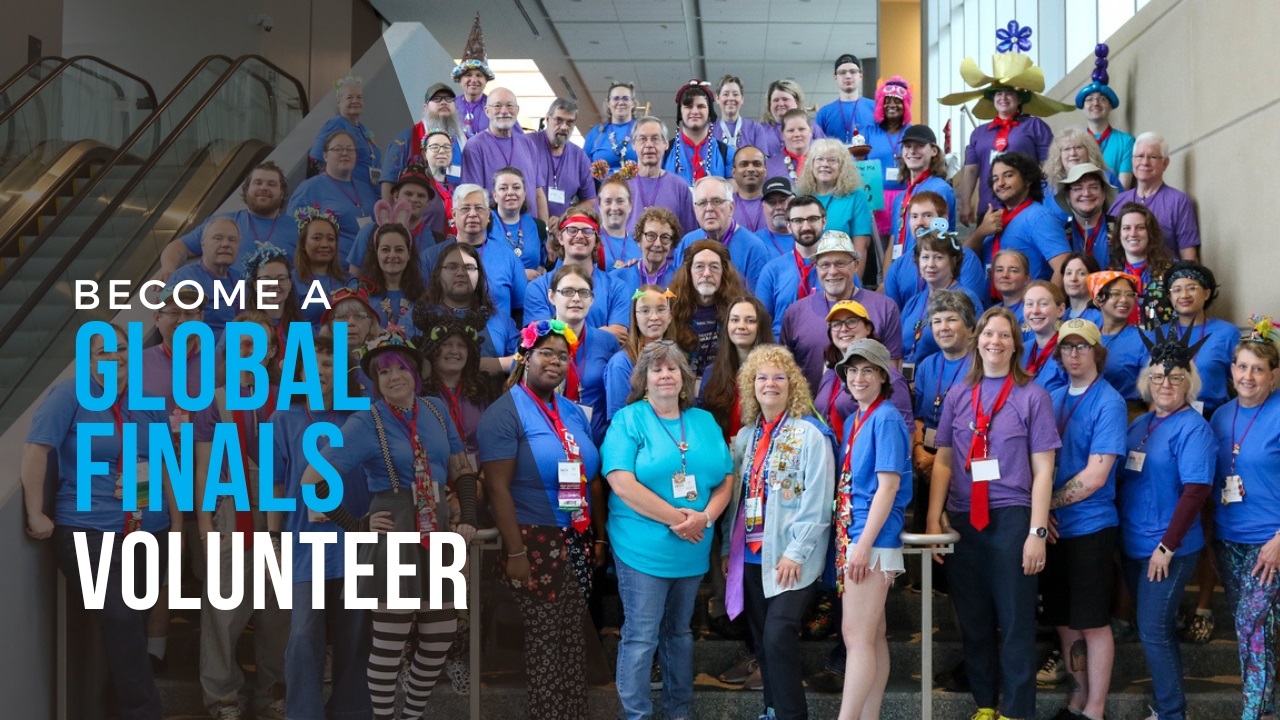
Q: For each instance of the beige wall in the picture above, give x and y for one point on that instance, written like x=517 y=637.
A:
x=1202 y=74
x=899 y=48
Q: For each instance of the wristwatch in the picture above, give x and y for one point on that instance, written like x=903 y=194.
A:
x=1040 y=532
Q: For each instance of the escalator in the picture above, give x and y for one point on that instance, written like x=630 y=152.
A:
x=171 y=174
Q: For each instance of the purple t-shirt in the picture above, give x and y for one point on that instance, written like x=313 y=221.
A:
x=569 y=174
x=749 y=213
x=486 y=154
x=157 y=375
x=770 y=139
x=804 y=329
x=1025 y=425
x=741 y=134
x=1031 y=136
x=667 y=190
x=1175 y=212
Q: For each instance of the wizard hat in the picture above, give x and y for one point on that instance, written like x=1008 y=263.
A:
x=473 y=55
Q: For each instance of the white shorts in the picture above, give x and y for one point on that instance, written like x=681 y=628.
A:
x=888 y=561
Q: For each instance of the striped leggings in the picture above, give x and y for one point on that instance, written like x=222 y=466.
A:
x=1256 y=606
x=391 y=630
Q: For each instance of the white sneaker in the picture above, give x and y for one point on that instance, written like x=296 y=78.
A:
x=459 y=677
x=228 y=711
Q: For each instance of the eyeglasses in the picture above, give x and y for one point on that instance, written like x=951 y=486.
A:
x=460 y=267
x=357 y=315
x=584 y=293
x=575 y=231
x=702 y=268
x=866 y=371
x=194 y=314
x=619 y=98
x=660 y=310
x=833 y=265
x=1075 y=348
x=713 y=202
x=547 y=355
x=1125 y=294
x=647 y=140
x=1174 y=380
x=655 y=237
x=439 y=147
x=469 y=209
x=847 y=323
x=811 y=220
x=446 y=99
x=1146 y=156
x=341 y=150
x=279 y=279
x=825 y=161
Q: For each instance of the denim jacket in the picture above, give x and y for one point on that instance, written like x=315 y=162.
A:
x=797 y=514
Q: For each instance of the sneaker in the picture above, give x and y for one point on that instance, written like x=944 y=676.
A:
x=459 y=677
x=985 y=714
x=227 y=711
x=826 y=681
x=1200 y=630
x=274 y=711
x=1067 y=713
x=1154 y=715
x=1053 y=671
x=1123 y=631
x=740 y=671
x=755 y=683
x=655 y=675
x=822 y=623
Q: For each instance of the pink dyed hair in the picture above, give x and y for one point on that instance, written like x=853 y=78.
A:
x=897 y=87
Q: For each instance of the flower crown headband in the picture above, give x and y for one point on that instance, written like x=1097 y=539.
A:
x=541 y=328
x=1264 y=329
x=307 y=213
x=641 y=293
x=262 y=254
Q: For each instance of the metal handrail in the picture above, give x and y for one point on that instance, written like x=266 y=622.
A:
x=27 y=69
x=72 y=62
x=926 y=546
x=486 y=539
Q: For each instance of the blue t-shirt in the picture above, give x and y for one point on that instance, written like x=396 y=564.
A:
x=746 y=251
x=619 y=250
x=883 y=445
x=934 y=184
x=935 y=375
x=514 y=428
x=361 y=454
x=839 y=119
x=1126 y=356
x=779 y=286
x=351 y=201
x=641 y=443
x=903 y=280
x=1090 y=313
x=289 y=426
x=1079 y=238
x=392 y=307
x=850 y=214
x=679 y=158
x=595 y=348
x=282 y=233
x=314 y=310
x=610 y=305
x=1037 y=233
x=917 y=331
x=611 y=143
x=505 y=272
x=630 y=278
x=1090 y=424
x=521 y=237
x=422 y=239
x=1117 y=150
x=1213 y=360
x=56 y=424
x=368 y=156
x=617 y=382
x=399 y=154
x=1051 y=375
x=216 y=313
x=1179 y=451
x=1256 y=430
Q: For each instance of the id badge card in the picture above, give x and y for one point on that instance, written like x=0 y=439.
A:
x=684 y=487
x=364 y=221
x=897 y=251
x=1233 y=490
x=755 y=510
x=587 y=410
x=570 y=491
x=994 y=154
x=475 y=461
x=909 y=371
x=1135 y=460
x=555 y=195
x=986 y=470
x=891 y=174
x=1198 y=406
x=931 y=438
x=455 y=171
x=375 y=175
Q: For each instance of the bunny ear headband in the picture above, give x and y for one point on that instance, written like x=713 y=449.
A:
x=387 y=214
x=942 y=229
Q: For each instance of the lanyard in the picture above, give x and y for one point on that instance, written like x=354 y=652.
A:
x=760 y=451
x=618 y=256
x=1235 y=444
x=353 y=196
x=731 y=138
x=453 y=398
x=859 y=420
x=117 y=415
x=773 y=236
x=253 y=227
x=728 y=234
x=803 y=269
x=511 y=148
x=1091 y=236
x=653 y=183
x=850 y=126
x=519 y=241
x=833 y=413
x=1062 y=423
x=912 y=184
x=682 y=446
x=1155 y=422
x=982 y=421
x=944 y=384
x=647 y=279
x=552 y=416
x=1038 y=359
x=555 y=166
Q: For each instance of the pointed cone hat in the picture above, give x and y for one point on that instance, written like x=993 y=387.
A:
x=474 y=56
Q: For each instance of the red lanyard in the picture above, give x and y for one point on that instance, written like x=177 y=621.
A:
x=1103 y=137
x=906 y=205
x=1002 y=126
x=410 y=424
x=1062 y=424
x=453 y=398
x=1235 y=444
x=1136 y=271
x=572 y=381
x=1006 y=217
x=794 y=163
x=552 y=416
x=833 y=414
x=858 y=421
x=1091 y=236
x=1155 y=422
x=978 y=448
x=1038 y=359
x=764 y=441
x=803 y=269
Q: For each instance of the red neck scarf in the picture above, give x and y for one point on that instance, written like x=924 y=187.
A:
x=695 y=155
x=1002 y=127
x=906 y=204
x=579 y=519
x=757 y=479
x=803 y=268
x=979 y=515
x=1037 y=358
x=1006 y=216
x=424 y=495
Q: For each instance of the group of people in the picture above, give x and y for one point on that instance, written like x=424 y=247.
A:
x=661 y=348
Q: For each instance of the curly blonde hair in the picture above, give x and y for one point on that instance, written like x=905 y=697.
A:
x=847 y=182
x=800 y=402
x=1053 y=168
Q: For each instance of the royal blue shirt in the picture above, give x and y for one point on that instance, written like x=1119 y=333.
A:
x=632 y=277
x=216 y=312
x=1038 y=234
x=779 y=285
x=841 y=119
x=619 y=250
x=917 y=331
x=422 y=239
x=1256 y=431
x=254 y=230
x=595 y=348
x=361 y=455
x=1213 y=359
x=507 y=279
x=883 y=445
x=1051 y=375
x=1179 y=451
x=609 y=303
x=935 y=375
x=522 y=237
x=1126 y=356
x=514 y=428
x=610 y=143
x=746 y=251
x=399 y=154
x=1093 y=423
x=352 y=201
x=368 y=156
x=617 y=382
x=933 y=184
x=903 y=280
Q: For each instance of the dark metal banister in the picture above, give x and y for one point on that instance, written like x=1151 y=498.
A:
x=152 y=122
x=151 y=93
x=26 y=69
x=14 y=322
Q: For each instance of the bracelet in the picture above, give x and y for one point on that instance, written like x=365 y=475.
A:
x=516 y=555
x=602 y=542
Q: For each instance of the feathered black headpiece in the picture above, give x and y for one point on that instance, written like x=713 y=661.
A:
x=1172 y=351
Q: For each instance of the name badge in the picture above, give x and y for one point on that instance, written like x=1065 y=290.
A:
x=1198 y=406
x=375 y=175
x=475 y=461
x=587 y=409
x=931 y=438
x=555 y=195
x=1135 y=460
x=684 y=487
x=994 y=154
x=144 y=485
x=755 y=510
x=986 y=470
x=897 y=251
x=570 y=491
x=909 y=371
x=891 y=174
x=455 y=171
x=364 y=220
x=1233 y=490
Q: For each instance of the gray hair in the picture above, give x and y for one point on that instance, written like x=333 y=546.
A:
x=649 y=119
x=654 y=353
x=724 y=184
x=1015 y=254
x=953 y=301
x=1151 y=138
x=1193 y=383
x=466 y=189
x=568 y=106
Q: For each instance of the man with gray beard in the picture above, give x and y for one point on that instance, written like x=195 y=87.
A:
x=439 y=114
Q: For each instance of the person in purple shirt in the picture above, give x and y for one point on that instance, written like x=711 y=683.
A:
x=1010 y=131
x=500 y=146
x=368 y=166
x=748 y=180
x=793 y=277
x=1171 y=206
x=611 y=141
x=803 y=330
x=1022 y=222
x=656 y=234
x=652 y=186
x=851 y=114
x=411 y=146
x=1085 y=194
x=220 y=246
x=713 y=200
x=797 y=137
x=337 y=191
x=264 y=193
x=732 y=129
x=847 y=323
x=782 y=96
x=993 y=475
x=579 y=233
x=566 y=169
x=926 y=212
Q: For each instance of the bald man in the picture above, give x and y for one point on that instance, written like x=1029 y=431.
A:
x=219 y=247
x=500 y=146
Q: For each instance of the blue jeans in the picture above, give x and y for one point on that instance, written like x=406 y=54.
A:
x=657 y=616
x=309 y=630
x=1157 y=611
x=124 y=630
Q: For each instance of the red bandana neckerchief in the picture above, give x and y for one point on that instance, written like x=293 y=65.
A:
x=979 y=513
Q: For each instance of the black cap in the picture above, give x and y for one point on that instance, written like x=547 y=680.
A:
x=848 y=58
x=777 y=185
x=437 y=89
x=920 y=134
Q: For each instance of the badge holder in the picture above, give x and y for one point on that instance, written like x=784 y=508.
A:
x=570 y=486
